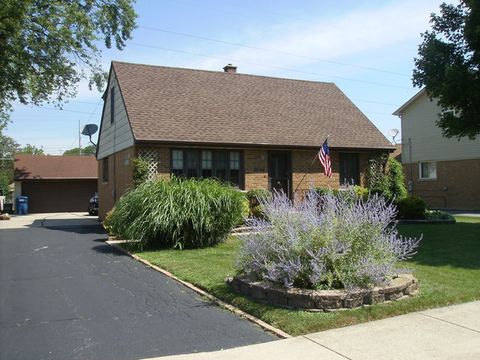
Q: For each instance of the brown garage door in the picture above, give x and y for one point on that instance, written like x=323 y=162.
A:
x=58 y=195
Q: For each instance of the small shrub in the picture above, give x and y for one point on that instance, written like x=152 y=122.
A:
x=342 y=244
x=255 y=197
x=107 y=222
x=5 y=186
x=320 y=191
x=411 y=208
x=178 y=213
x=140 y=171
x=245 y=211
x=353 y=193
x=438 y=215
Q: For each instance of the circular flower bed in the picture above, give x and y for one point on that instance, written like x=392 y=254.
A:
x=403 y=286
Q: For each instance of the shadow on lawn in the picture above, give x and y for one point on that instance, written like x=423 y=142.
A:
x=455 y=245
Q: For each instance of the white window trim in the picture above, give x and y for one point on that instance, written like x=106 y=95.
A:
x=420 y=170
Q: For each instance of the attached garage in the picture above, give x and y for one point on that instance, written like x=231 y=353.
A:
x=56 y=183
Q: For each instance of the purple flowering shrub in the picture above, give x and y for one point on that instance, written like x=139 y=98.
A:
x=325 y=242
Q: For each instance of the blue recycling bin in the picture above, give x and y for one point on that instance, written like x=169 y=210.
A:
x=22 y=205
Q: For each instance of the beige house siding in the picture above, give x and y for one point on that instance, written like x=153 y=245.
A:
x=117 y=136
x=426 y=140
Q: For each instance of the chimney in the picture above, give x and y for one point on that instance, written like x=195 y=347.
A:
x=230 y=69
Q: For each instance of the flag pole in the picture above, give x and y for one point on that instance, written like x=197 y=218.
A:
x=311 y=164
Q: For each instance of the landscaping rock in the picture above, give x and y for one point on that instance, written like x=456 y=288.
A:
x=323 y=300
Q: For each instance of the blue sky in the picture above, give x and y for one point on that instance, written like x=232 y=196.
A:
x=365 y=47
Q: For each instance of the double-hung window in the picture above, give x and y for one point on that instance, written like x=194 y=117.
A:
x=177 y=162
x=224 y=165
x=427 y=170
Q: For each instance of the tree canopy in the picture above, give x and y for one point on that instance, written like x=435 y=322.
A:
x=47 y=47
x=30 y=149
x=87 y=150
x=448 y=65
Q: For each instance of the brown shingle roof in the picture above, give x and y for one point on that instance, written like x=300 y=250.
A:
x=184 y=105
x=55 y=167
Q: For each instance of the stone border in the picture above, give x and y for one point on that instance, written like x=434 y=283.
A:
x=403 y=286
x=426 y=221
x=112 y=241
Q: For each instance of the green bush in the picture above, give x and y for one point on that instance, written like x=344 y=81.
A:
x=178 y=213
x=140 y=171
x=411 y=208
x=5 y=186
x=255 y=196
x=323 y=191
x=385 y=177
x=107 y=222
x=438 y=215
x=396 y=179
x=358 y=192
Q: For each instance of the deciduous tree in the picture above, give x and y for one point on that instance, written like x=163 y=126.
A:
x=47 y=46
x=448 y=65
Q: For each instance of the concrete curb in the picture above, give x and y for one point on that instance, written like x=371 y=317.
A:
x=232 y=308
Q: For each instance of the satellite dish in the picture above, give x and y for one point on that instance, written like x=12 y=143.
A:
x=91 y=129
x=393 y=132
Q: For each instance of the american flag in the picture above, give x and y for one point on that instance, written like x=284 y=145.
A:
x=324 y=156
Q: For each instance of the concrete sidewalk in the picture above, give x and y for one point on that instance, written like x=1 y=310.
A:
x=65 y=219
x=447 y=333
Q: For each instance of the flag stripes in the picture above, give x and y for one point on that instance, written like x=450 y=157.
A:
x=324 y=156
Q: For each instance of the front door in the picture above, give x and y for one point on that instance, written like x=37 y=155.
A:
x=280 y=171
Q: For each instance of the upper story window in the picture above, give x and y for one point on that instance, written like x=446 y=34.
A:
x=112 y=105
x=105 y=169
x=427 y=170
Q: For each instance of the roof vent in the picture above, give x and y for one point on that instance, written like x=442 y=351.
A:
x=230 y=69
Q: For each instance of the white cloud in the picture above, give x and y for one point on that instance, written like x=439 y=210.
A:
x=353 y=33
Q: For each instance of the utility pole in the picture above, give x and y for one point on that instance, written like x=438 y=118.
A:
x=79 y=139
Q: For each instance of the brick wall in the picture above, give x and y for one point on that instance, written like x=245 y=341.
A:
x=255 y=166
x=457 y=185
x=256 y=169
x=119 y=179
x=312 y=175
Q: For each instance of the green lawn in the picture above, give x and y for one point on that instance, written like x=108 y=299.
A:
x=447 y=266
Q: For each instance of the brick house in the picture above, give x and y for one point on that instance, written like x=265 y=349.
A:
x=444 y=172
x=56 y=183
x=251 y=131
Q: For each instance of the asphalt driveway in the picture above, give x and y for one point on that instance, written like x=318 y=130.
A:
x=65 y=294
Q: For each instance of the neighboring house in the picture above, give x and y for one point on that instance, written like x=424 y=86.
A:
x=445 y=172
x=56 y=183
x=251 y=131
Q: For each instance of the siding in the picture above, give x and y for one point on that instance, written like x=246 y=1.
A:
x=117 y=136
x=120 y=178
x=427 y=142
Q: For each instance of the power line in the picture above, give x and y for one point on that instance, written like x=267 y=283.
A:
x=373 y=102
x=82 y=102
x=272 y=51
x=268 y=66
